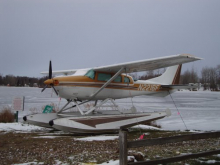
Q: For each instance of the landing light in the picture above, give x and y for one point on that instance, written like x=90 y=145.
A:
x=56 y=82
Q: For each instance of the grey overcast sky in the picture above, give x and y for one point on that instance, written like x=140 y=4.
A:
x=87 y=33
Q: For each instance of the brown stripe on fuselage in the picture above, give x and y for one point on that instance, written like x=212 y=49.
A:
x=95 y=121
x=98 y=85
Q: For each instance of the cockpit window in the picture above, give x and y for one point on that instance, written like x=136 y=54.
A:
x=117 y=79
x=104 y=76
x=90 y=74
x=126 y=80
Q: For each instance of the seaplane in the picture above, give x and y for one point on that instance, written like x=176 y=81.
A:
x=106 y=84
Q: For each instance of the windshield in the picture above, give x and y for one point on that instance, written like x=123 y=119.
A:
x=90 y=74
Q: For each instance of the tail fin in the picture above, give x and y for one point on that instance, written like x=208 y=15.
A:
x=170 y=76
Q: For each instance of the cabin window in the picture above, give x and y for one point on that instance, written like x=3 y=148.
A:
x=90 y=74
x=118 y=79
x=104 y=76
x=126 y=80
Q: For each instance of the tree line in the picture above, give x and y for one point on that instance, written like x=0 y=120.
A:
x=209 y=77
x=10 y=80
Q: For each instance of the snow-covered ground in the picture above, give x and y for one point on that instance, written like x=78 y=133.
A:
x=200 y=110
x=20 y=127
x=111 y=162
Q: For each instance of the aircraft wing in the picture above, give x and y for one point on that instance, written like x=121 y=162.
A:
x=61 y=72
x=149 y=64
x=138 y=66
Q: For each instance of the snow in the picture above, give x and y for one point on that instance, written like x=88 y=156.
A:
x=19 y=127
x=111 y=162
x=209 y=161
x=97 y=138
x=49 y=137
x=145 y=127
x=30 y=163
x=40 y=163
x=116 y=162
x=199 y=109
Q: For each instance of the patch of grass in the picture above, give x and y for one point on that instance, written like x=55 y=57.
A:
x=25 y=147
x=6 y=116
x=55 y=107
x=34 y=110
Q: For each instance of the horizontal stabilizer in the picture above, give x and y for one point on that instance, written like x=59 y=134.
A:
x=180 y=86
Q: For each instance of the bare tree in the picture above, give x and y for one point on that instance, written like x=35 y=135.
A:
x=213 y=79
x=134 y=75
x=10 y=80
x=189 y=76
x=210 y=78
x=218 y=75
x=1 y=79
x=205 y=78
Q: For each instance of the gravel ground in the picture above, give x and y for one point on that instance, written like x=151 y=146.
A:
x=34 y=147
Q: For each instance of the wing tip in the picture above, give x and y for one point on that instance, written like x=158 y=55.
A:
x=190 y=56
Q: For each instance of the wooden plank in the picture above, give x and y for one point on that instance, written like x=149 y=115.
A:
x=177 y=158
x=174 y=139
x=123 y=147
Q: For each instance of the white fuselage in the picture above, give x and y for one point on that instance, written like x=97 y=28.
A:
x=137 y=89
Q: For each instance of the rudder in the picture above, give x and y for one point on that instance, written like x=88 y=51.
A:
x=170 y=76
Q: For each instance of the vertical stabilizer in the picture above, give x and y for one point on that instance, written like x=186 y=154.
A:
x=170 y=76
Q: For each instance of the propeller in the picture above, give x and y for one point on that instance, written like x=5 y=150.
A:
x=50 y=80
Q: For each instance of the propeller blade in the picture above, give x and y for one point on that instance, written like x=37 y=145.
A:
x=54 y=89
x=44 y=88
x=50 y=70
x=50 y=76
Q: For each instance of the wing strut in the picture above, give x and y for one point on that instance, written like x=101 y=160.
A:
x=77 y=105
x=69 y=101
x=92 y=109
x=106 y=84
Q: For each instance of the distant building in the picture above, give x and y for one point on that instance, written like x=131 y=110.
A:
x=35 y=85
x=195 y=86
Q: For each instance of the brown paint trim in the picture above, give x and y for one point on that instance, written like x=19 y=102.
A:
x=98 y=85
x=95 y=121
x=176 y=79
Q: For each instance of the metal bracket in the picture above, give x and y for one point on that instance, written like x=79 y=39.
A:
x=77 y=105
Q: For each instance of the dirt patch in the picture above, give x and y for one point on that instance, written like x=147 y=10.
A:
x=25 y=147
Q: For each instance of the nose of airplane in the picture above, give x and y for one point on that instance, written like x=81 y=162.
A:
x=48 y=82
